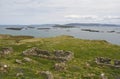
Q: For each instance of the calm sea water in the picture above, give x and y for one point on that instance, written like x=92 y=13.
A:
x=113 y=37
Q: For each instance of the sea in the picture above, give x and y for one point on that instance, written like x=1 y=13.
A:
x=110 y=33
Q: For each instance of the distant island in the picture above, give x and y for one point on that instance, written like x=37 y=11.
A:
x=14 y=28
x=68 y=24
x=91 y=24
x=63 y=26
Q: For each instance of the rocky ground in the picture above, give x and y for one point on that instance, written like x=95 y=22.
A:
x=62 y=57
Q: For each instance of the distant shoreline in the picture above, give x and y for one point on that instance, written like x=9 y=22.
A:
x=72 y=24
x=8 y=36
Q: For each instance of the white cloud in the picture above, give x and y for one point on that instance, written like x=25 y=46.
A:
x=73 y=16
x=91 y=17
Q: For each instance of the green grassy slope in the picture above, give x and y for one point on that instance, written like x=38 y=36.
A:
x=85 y=52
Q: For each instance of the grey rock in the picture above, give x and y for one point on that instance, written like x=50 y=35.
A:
x=117 y=62
x=48 y=74
x=108 y=62
x=35 y=52
x=60 y=66
x=19 y=74
x=59 y=55
x=63 y=55
x=18 y=61
x=27 y=59
x=6 y=51
x=103 y=60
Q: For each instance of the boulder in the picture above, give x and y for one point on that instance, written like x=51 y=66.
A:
x=117 y=62
x=6 y=50
x=60 y=66
x=59 y=55
x=108 y=62
x=36 y=52
x=63 y=55
x=18 y=61
x=27 y=59
x=103 y=60
x=48 y=74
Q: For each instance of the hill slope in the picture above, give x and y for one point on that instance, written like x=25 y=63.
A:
x=82 y=66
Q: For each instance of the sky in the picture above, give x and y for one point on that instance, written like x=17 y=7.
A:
x=59 y=11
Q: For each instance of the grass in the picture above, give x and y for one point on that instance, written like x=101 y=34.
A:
x=85 y=51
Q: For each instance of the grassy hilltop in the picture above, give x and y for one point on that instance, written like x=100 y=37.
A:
x=82 y=66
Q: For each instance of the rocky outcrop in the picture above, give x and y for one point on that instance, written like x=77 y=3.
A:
x=117 y=63
x=103 y=60
x=65 y=55
x=107 y=62
x=36 y=52
x=5 y=51
x=58 y=55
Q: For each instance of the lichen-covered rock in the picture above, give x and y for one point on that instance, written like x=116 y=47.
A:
x=59 y=55
x=35 y=52
x=27 y=59
x=18 y=61
x=107 y=62
x=63 y=55
x=48 y=74
x=6 y=50
x=117 y=62
x=60 y=66
x=103 y=60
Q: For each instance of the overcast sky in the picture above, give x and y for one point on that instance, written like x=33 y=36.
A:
x=59 y=11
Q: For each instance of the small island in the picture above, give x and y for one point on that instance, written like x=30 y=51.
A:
x=63 y=26
x=14 y=28
x=90 y=30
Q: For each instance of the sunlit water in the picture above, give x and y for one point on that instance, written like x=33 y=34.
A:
x=113 y=38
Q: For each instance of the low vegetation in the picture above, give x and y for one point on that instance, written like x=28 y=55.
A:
x=15 y=65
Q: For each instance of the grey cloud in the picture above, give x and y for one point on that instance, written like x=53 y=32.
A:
x=99 y=10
